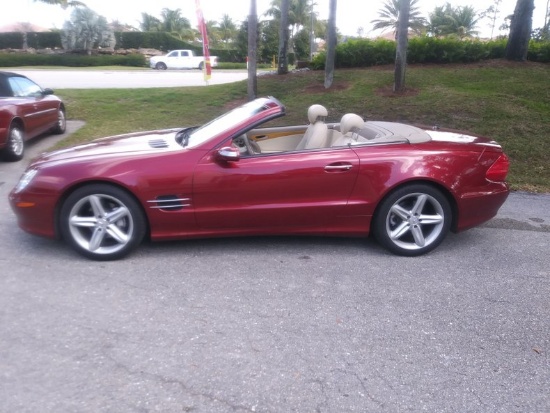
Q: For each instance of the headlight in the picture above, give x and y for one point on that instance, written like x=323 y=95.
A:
x=26 y=179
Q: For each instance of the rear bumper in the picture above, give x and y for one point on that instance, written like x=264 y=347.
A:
x=479 y=207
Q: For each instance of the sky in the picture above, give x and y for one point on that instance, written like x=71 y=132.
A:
x=349 y=17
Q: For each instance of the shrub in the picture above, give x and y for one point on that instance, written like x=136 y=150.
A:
x=539 y=51
x=364 y=52
x=11 y=40
x=71 y=60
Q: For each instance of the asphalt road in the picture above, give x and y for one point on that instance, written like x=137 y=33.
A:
x=279 y=324
x=105 y=79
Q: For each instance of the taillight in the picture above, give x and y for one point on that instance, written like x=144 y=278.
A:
x=499 y=170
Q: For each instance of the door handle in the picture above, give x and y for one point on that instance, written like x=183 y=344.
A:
x=338 y=167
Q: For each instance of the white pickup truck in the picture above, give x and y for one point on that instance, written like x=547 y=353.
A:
x=180 y=59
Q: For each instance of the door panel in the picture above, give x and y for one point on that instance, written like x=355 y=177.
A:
x=288 y=190
x=39 y=112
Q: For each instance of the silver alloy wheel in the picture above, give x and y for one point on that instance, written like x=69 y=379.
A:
x=415 y=221
x=16 y=142
x=101 y=224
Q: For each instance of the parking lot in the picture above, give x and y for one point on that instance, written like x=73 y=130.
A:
x=279 y=324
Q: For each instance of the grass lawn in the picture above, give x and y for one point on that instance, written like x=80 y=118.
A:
x=507 y=101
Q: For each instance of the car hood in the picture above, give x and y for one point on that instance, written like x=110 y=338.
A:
x=131 y=144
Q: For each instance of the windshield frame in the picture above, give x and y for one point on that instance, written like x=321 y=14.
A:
x=235 y=119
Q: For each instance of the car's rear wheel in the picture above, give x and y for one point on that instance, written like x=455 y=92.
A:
x=201 y=65
x=15 y=145
x=160 y=66
x=412 y=220
x=102 y=222
x=61 y=125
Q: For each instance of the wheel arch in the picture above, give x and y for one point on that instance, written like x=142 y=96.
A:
x=18 y=122
x=444 y=190
x=73 y=188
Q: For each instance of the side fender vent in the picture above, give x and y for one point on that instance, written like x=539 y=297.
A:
x=158 y=143
x=169 y=203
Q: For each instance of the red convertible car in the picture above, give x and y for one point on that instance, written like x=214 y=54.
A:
x=237 y=176
x=26 y=111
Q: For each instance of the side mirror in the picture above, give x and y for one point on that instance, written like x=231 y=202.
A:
x=47 y=91
x=229 y=154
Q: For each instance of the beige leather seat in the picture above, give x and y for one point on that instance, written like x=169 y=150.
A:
x=349 y=125
x=317 y=130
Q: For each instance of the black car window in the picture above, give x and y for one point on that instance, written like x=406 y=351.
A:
x=23 y=87
x=5 y=91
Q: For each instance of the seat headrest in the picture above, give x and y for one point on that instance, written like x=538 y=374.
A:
x=316 y=111
x=351 y=121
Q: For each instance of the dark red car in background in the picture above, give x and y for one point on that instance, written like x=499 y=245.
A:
x=236 y=176
x=26 y=111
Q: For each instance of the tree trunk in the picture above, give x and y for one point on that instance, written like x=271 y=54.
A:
x=520 y=30
x=282 y=67
x=252 y=86
x=402 y=43
x=331 y=45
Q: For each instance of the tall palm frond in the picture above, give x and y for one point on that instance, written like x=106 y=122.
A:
x=389 y=16
x=63 y=3
x=448 y=21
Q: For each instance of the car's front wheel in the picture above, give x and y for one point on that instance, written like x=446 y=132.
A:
x=102 y=222
x=61 y=125
x=15 y=145
x=412 y=220
x=160 y=66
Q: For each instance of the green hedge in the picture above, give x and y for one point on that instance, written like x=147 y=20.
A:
x=11 y=40
x=71 y=60
x=365 y=52
x=539 y=51
x=151 y=40
x=43 y=40
x=36 y=40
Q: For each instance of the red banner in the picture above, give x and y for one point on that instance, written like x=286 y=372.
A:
x=207 y=67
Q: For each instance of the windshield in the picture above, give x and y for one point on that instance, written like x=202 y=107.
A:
x=225 y=122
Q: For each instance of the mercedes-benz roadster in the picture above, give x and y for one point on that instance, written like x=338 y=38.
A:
x=236 y=176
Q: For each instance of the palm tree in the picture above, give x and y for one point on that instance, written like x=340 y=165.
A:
x=520 y=30
x=401 y=50
x=227 y=29
x=331 y=45
x=173 y=22
x=252 y=84
x=299 y=14
x=282 y=66
x=63 y=3
x=149 y=23
x=86 y=30
x=466 y=19
x=389 y=17
x=449 y=21
x=214 y=34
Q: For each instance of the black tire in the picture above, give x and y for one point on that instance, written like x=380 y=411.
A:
x=15 y=145
x=160 y=66
x=412 y=220
x=201 y=65
x=61 y=125
x=102 y=222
